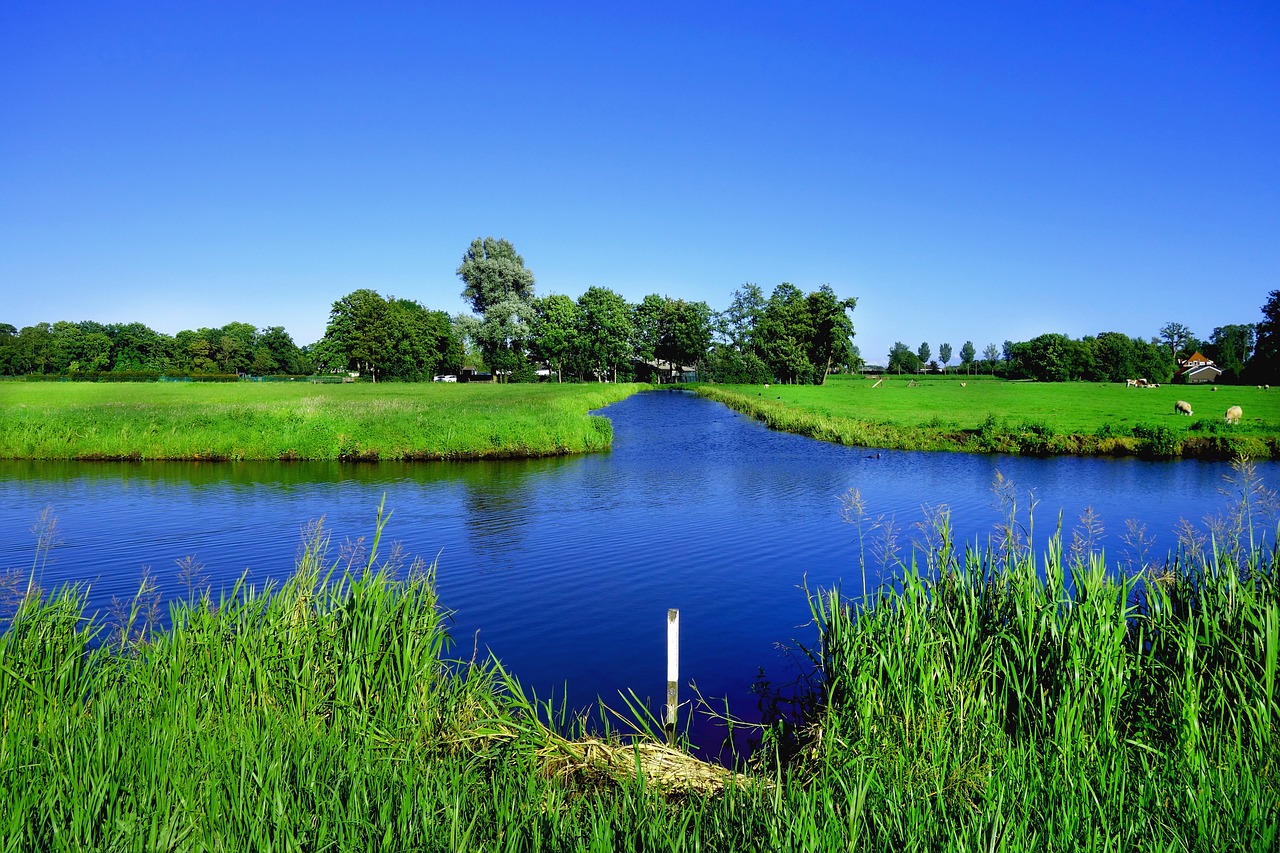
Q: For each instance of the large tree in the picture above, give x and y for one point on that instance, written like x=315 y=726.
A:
x=499 y=287
x=606 y=328
x=831 y=331
x=672 y=332
x=1177 y=338
x=1264 y=366
x=784 y=335
x=494 y=272
x=1230 y=347
x=388 y=338
x=556 y=331
x=902 y=359
x=967 y=355
x=737 y=323
x=358 y=332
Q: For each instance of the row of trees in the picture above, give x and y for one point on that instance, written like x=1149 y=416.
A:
x=87 y=347
x=903 y=360
x=1114 y=357
x=1245 y=352
x=790 y=337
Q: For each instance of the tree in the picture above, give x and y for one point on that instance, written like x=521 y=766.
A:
x=556 y=331
x=1264 y=366
x=967 y=354
x=784 y=334
x=1116 y=357
x=504 y=335
x=902 y=359
x=358 y=331
x=990 y=354
x=499 y=287
x=138 y=347
x=672 y=331
x=493 y=272
x=923 y=353
x=1050 y=357
x=737 y=323
x=1176 y=336
x=606 y=328
x=278 y=350
x=1230 y=348
x=944 y=355
x=832 y=330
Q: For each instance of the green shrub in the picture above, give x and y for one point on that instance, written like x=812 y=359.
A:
x=1158 y=442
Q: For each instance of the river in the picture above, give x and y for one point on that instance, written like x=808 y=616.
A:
x=565 y=568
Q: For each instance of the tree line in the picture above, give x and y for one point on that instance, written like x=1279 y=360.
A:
x=89 y=348
x=511 y=332
x=1244 y=352
x=517 y=335
x=789 y=336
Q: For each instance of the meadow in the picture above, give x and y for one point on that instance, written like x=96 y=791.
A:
x=979 y=414
x=282 y=421
x=979 y=701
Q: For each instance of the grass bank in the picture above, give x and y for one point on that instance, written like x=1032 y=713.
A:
x=267 y=421
x=982 y=415
x=975 y=703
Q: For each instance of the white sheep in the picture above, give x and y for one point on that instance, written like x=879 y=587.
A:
x=1182 y=407
x=1233 y=415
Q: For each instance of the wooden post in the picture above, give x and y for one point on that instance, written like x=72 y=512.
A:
x=673 y=673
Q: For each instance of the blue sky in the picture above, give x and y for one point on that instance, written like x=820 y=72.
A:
x=968 y=171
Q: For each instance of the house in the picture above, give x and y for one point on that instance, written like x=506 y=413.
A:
x=1197 y=370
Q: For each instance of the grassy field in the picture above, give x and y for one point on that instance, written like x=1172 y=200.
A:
x=72 y=420
x=985 y=415
x=977 y=703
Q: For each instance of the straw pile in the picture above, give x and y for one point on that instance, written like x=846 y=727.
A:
x=594 y=763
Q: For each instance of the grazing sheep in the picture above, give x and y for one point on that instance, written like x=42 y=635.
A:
x=964 y=384
x=1233 y=415
x=1182 y=407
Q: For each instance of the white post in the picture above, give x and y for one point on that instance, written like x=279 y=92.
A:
x=673 y=673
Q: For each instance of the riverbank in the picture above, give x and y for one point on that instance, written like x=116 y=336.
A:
x=977 y=703
x=287 y=421
x=980 y=415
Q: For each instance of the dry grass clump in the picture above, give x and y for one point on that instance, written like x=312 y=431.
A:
x=593 y=763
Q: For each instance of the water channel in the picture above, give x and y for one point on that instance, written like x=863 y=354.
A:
x=565 y=568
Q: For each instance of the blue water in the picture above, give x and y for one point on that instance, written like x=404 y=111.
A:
x=565 y=568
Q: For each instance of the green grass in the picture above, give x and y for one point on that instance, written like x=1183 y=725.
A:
x=986 y=415
x=980 y=701
x=268 y=421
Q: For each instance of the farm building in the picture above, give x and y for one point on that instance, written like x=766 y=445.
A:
x=1197 y=370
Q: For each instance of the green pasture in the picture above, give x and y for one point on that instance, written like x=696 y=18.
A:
x=266 y=421
x=987 y=415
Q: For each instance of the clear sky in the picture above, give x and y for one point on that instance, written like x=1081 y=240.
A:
x=968 y=171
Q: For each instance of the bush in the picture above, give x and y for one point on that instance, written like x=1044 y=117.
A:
x=1159 y=442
